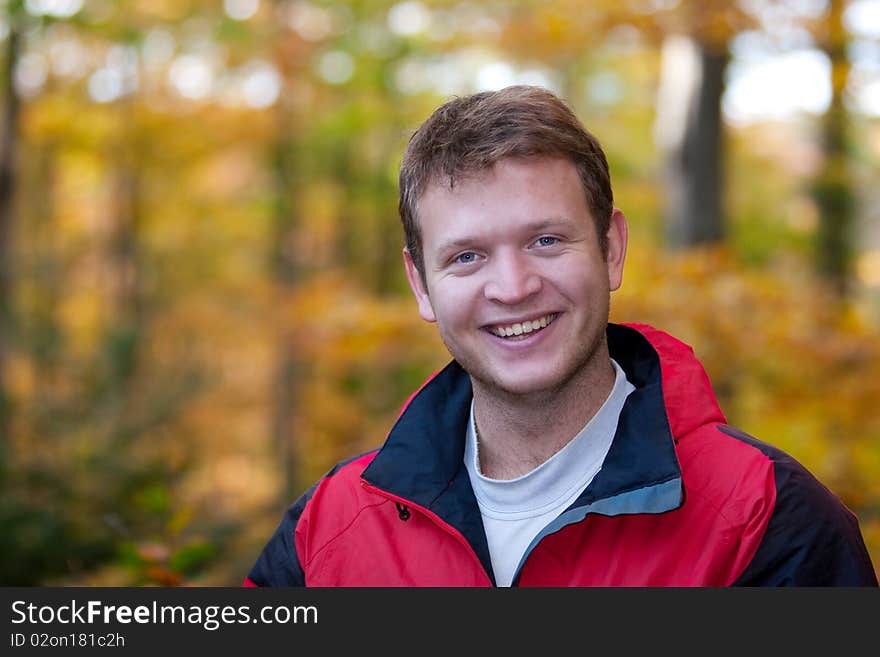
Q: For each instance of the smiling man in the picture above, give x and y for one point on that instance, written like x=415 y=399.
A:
x=556 y=449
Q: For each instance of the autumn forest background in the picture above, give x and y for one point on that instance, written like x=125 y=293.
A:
x=202 y=304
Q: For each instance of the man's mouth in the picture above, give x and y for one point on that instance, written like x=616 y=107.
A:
x=521 y=328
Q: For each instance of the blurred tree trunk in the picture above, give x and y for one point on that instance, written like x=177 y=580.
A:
x=832 y=188
x=690 y=134
x=126 y=325
x=287 y=271
x=44 y=267
x=8 y=147
x=124 y=252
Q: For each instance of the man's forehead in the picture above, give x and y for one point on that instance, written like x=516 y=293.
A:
x=473 y=210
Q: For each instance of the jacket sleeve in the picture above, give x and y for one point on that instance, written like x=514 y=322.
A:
x=278 y=563
x=812 y=538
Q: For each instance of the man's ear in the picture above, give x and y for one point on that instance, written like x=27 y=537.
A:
x=617 y=235
x=417 y=285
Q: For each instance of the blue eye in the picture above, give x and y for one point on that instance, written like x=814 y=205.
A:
x=466 y=258
x=546 y=240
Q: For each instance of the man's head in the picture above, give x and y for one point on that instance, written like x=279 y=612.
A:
x=513 y=243
x=467 y=136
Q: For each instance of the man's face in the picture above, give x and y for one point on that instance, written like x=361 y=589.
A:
x=514 y=276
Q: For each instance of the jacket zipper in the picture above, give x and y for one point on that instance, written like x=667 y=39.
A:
x=435 y=519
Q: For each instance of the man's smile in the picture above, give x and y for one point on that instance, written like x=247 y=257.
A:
x=519 y=328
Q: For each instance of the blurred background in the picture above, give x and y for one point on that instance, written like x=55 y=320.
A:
x=202 y=304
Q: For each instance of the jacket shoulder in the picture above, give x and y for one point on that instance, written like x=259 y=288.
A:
x=800 y=532
x=327 y=505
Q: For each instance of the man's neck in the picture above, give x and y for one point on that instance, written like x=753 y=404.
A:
x=516 y=434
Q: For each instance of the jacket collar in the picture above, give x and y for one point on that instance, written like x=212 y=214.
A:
x=422 y=459
x=642 y=457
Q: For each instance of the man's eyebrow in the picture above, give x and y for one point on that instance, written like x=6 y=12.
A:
x=547 y=223
x=453 y=245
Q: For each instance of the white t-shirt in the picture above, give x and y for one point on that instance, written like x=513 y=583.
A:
x=515 y=510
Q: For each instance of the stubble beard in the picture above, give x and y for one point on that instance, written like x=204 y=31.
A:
x=574 y=382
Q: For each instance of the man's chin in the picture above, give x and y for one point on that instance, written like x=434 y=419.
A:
x=524 y=386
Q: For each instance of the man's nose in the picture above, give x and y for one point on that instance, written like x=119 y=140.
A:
x=512 y=279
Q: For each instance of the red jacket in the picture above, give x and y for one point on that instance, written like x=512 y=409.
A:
x=682 y=499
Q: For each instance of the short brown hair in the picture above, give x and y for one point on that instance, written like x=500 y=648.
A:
x=470 y=134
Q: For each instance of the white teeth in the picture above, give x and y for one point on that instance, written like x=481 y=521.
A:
x=524 y=327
